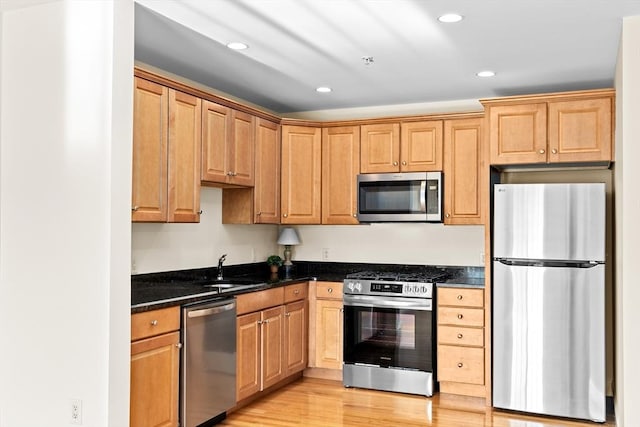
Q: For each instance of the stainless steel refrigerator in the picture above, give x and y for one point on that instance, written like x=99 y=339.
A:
x=548 y=299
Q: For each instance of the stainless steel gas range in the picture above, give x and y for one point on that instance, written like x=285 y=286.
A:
x=388 y=331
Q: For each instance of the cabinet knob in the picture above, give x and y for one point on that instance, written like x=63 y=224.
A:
x=459 y=336
x=287 y=314
x=234 y=174
x=541 y=151
x=154 y=322
x=135 y=208
x=229 y=173
x=179 y=345
x=259 y=213
x=447 y=215
x=404 y=163
x=459 y=297
x=285 y=215
x=460 y=365
x=554 y=151
x=355 y=215
x=296 y=292
x=395 y=163
x=330 y=290
x=200 y=212
x=459 y=316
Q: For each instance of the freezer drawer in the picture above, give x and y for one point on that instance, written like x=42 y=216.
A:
x=548 y=340
x=549 y=221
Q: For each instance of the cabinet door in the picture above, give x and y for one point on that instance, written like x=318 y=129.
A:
x=185 y=115
x=295 y=335
x=380 y=148
x=216 y=131
x=463 y=168
x=580 y=130
x=155 y=364
x=340 y=168
x=329 y=334
x=301 y=172
x=149 y=177
x=242 y=149
x=421 y=146
x=248 y=355
x=272 y=346
x=267 y=173
x=518 y=134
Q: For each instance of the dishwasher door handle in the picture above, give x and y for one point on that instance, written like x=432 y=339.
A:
x=211 y=310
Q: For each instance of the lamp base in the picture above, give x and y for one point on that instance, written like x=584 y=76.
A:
x=288 y=270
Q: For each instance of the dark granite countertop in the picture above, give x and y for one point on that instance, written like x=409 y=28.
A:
x=172 y=288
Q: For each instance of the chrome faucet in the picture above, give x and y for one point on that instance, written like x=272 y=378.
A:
x=220 y=261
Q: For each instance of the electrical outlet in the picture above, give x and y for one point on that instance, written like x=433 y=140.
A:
x=325 y=254
x=76 y=412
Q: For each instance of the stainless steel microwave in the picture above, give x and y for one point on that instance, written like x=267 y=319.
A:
x=400 y=197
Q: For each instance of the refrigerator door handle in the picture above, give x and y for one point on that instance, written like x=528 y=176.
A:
x=547 y=263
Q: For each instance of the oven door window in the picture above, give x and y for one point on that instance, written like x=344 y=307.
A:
x=388 y=337
x=392 y=197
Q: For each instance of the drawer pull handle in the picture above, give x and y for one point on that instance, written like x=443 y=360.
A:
x=154 y=322
x=296 y=292
x=459 y=336
x=330 y=290
x=459 y=316
x=460 y=365
x=459 y=297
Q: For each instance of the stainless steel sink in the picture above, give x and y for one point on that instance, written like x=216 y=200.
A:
x=229 y=285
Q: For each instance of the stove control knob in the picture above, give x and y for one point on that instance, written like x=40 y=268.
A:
x=359 y=287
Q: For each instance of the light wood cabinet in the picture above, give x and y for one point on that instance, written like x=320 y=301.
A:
x=328 y=325
x=461 y=341
x=380 y=148
x=463 y=171
x=406 y=147
x=301 y=175
x=555 y=128
x=155 y=365
x=166 y=154
x=271 y=337
x=267 y=173
x=228 y=139
x=421 y=146
x=340 y=168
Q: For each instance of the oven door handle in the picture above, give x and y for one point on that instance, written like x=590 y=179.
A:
x=383 y=302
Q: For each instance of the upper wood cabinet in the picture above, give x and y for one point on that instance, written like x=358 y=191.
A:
x=409 y=147
x=166 y=154
x=421 y=146
x=301 y=175
x=463 y=171
x=228 y=139
x=340 y=168
x=380 y=148
x=267 y=173
x=557 y=128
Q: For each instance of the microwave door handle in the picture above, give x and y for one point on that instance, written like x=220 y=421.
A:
x=423 y=196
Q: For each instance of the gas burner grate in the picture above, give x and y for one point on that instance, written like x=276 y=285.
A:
x=392 y=276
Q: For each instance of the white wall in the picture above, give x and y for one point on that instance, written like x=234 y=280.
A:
x=627 y=177
x=166 y=247
x=65 y=144
x=404 y=243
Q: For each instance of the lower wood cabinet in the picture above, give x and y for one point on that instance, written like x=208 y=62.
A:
x=271 y=337
x=461 y=341
x=327 y=326
x=155 y=368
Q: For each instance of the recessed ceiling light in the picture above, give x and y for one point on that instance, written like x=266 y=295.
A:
x=486 y=73
x=323 y=89
x=450 y=17
x=237 y=45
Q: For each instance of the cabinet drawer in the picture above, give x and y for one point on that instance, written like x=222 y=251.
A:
x=461 y=316
x=456 y=335
x=155 y=322
x=329 y=290
x=295 y=292
x=461 y=297
x=256 y=301
x=461 y=364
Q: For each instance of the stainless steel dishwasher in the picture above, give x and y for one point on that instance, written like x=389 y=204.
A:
x=208 y=383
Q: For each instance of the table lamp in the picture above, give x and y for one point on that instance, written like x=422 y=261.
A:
x=288 y=236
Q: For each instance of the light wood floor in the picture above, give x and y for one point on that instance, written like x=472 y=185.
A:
x=323 y=403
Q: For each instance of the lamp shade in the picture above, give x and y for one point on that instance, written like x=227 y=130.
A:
x=288 y=236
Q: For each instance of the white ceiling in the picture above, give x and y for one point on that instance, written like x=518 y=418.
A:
x=297 y=45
